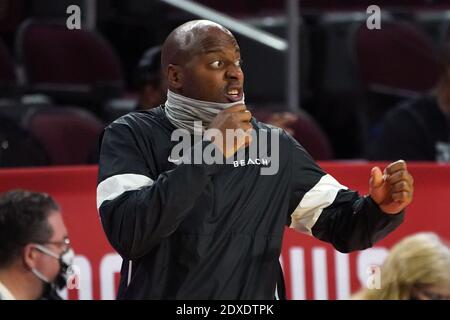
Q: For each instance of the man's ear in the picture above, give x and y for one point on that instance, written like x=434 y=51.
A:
x=174 y=76
x=29 y=256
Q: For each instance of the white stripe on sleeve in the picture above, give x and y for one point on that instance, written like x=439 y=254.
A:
x=114 y=186
x=314 y=201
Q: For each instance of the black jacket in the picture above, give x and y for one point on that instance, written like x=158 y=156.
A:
x=215 y=231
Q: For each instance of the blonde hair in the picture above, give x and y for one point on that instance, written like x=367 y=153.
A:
x=419 y=259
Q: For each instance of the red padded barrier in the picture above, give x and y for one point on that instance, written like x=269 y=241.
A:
x=313 y=269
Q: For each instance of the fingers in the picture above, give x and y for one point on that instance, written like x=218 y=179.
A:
x=240 y=112
x=398 y=177
x=244 y=116
x=236 y=129
x=376 y=177
x=401 y=175
x=395 y=166
x=402 y=197
x=400 y=181
x=247 y=126
x=401 y=186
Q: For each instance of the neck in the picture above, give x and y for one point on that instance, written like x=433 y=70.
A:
x=182 y=111
x=177 y=98
x=20 y=283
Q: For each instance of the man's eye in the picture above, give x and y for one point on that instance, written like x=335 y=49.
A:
x=216 y=64
x=238 y=63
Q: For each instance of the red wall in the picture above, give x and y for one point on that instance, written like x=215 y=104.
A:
x=314 y=270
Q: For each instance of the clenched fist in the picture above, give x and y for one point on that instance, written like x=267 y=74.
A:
x=393 y=189
x=237 y=119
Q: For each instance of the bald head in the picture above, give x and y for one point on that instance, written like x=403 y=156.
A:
x=201 y=60
x=192 y=38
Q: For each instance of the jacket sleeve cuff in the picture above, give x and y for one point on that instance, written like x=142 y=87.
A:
x=376 y=210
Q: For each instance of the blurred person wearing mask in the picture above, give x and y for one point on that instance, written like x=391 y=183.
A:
x=417 y=268
x=35 y=252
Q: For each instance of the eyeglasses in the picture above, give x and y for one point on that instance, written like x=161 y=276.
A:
x=65 y=242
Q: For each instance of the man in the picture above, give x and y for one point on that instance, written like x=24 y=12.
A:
x=189 y=230
x=419 y=129
x=34 y=247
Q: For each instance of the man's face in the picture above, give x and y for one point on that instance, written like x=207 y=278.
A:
x=214 y=71
x=49 y=266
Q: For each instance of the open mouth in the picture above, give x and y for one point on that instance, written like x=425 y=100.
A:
x=234 y=94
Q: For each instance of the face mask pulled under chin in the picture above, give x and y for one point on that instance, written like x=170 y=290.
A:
x=51 y=288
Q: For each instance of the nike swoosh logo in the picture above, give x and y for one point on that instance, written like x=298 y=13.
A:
x=174 y=161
